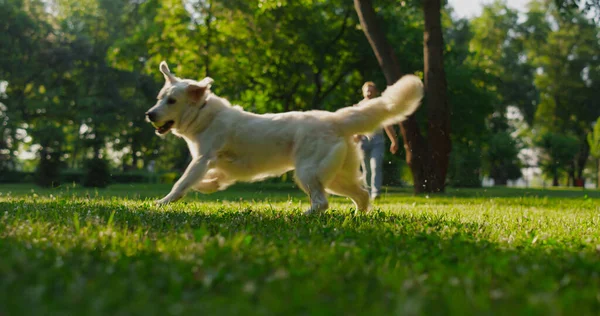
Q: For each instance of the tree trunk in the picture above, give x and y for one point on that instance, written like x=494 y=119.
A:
x=73 y=160
x=381 y=47
x=500 y=181
x=96 y=149
x=318 y=84
x=134 y=157
x=571 y=174
x=417 y=157
x=428 y=175
x=555 y=180
x=438 y=131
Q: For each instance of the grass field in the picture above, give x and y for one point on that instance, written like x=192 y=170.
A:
x=250 y=251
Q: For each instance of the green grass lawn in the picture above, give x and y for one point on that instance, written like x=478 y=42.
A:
x=249 y=250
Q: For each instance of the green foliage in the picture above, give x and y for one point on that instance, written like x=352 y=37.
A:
x=568 y=102
x=568 y=7
x=12 y=176
x=139 y=176
x=47 y=173
x=593 y=139
x=392 y=171
x=472 y=100
x=502 y=156
x=97 y=173
x=501 y=251
x=465 y=166
x=559 y=150
x=72 y=176
x=273 y=56
x=498 y=47
x=502 y=79
x=77 y=177
x=546 y=65
x=169 y=177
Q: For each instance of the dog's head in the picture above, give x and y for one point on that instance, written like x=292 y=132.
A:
x=175 y=98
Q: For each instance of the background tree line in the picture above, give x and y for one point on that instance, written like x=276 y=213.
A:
x=77 y=76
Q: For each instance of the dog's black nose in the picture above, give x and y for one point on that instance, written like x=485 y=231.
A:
x=151 y=116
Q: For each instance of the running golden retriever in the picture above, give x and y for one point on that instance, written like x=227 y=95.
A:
x=228 y=144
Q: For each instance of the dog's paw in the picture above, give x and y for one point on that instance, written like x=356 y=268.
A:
x=170 y=198
x=164 y=201
x=161 y=202
x=311 y=212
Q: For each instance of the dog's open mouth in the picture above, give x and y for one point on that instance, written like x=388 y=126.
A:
x=165 y=127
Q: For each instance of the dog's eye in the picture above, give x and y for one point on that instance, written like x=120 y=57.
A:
x=171 y=101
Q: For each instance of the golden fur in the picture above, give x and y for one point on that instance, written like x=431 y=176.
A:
x=229 y=144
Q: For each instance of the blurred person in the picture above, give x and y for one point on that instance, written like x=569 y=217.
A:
x=373 y=145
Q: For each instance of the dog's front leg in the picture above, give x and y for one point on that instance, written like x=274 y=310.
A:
x=193 y=173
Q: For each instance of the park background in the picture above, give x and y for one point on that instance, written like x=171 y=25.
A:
x=76 y=77
x=512 y=96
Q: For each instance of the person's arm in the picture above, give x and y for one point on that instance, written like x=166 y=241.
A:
x=391 y=133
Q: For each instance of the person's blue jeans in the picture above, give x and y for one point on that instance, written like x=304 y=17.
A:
x=373 y=151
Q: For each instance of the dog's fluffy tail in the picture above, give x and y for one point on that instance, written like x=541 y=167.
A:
x=393 y=106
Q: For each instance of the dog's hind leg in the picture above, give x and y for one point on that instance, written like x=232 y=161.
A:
x=348 y=181
x=315 y=172
x=346 y=185
x=309 y=182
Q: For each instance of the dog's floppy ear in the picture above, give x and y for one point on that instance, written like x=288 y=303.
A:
x=164 y=68
x=207 y=82
x=196 y=91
